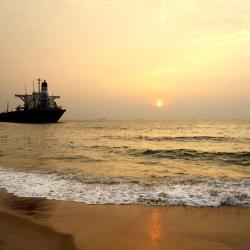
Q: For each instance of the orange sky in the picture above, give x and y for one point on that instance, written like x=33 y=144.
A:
x=117 y=58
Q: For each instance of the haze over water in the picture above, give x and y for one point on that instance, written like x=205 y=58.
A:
x=197 y=163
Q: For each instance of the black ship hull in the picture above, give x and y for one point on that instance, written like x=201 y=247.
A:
x=32 y=116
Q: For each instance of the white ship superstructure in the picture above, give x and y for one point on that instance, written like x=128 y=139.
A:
x=40 y=99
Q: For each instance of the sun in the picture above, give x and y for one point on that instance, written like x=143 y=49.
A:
x=159 y=103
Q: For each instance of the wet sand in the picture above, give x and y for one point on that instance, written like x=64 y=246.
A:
x=19 y=233
x=28 y=223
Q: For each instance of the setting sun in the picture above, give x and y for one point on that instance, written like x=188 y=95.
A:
x=159 y=103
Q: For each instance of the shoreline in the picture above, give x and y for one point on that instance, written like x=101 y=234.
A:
x=121 y=226
x=179 y=189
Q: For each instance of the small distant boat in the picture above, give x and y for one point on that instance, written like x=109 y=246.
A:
x=39 y=107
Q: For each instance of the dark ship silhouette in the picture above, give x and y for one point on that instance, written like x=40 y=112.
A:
x=39 y=107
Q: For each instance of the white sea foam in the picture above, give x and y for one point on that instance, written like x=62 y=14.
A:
x=205 y=192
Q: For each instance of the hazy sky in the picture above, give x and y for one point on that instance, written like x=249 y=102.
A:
x=117 y=58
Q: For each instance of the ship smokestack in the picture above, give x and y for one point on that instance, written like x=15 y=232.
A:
x=44 y=87
x=44 y=95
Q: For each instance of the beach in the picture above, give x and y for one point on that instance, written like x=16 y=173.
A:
x=34 y=223
x=125 y=185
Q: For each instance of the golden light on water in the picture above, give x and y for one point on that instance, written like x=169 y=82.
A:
x=155 y=226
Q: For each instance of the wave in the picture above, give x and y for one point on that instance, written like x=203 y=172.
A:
x=237 y=158
x=80 y=158
x=194 y=138
x=108 y=128
x=202 y=138
x=196 y=191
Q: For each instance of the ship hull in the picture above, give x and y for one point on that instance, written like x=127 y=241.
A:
x=32 y=116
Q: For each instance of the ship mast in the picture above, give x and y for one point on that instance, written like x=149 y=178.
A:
x=39 y=85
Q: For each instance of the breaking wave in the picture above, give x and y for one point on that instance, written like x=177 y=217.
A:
x=191 y=191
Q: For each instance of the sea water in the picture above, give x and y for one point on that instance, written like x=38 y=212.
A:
x=194 y=162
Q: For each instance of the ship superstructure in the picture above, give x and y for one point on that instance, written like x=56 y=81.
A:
x=38 y=107
x=38 y=100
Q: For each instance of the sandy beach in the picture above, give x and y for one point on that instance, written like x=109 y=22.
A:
x=31 y=223
x=19 y=233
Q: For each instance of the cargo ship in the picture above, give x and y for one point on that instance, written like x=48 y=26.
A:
x=38 y=107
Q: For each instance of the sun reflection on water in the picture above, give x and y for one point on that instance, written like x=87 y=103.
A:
x=155 y=226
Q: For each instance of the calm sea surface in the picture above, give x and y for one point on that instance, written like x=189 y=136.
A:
x=196 y=163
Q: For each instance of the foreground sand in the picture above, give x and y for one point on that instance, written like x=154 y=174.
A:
x=19 y=233
x=27 y=223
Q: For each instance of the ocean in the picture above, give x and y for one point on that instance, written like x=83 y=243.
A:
x=192 y=163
